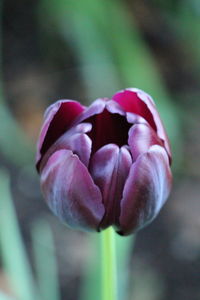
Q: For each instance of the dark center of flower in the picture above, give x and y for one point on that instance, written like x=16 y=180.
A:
x=108 y=128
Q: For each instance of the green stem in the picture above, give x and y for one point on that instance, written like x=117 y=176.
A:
x=109 y=274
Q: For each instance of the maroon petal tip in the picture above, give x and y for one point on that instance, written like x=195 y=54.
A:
x=57 y=119
x=138 y=102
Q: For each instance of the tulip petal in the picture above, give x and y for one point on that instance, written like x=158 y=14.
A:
x=70 y=140
x=95 y=108
x=131 y=102
x=57 y=119
x=114 y=108
x=109 y=168
x=76 y=140
x=141 y=138
x=146 y=190
x=70 y=191
x=138 y=102
x=135 y=119
x=106 y=116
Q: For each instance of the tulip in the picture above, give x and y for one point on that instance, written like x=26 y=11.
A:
x=107 y=164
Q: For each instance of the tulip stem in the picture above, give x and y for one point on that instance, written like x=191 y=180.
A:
x=109 y=274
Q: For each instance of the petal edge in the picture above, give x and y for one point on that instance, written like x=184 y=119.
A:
x=57 y=118
x=70 y=191
x=146 y=190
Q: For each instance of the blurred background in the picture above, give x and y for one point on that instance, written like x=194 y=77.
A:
x=55 y=49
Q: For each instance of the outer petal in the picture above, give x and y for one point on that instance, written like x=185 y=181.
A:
x=138 y=102
x=141 y=138
x=76 y=140
x=146 y=190
x=70 y=191
x=110 y=166
x=57 y=119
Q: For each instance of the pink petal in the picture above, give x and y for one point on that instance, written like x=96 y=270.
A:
x=95 y=108
x=109 y=168
x=70 y=191
x=146 y=190
x=141 y=138
x=130 y=102
x=114 y=108
x=135 y=119
x=57 y=119
x=76 y=140
x=139 y=102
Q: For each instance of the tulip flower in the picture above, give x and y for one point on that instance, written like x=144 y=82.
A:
x=107 y=164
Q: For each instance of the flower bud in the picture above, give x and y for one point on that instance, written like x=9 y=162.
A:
x=107 y=164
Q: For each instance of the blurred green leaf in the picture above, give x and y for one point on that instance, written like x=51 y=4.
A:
x=91 y=282
x=77 y=27
x=13 y=253
x=45 y=260
x=3 y=296
x=13 y=143
x=187 y=23
x=124 y=245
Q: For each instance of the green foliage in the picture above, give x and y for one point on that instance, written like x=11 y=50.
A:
x=13 y=252
x=15 y=261
x=45 y=260
x=5 y=297
x=11 y=133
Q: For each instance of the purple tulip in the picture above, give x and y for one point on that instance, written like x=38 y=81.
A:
x=107 y=164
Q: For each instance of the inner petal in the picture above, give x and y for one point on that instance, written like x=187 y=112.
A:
x=130 y=101
x=109 y=169
x=108 y=128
